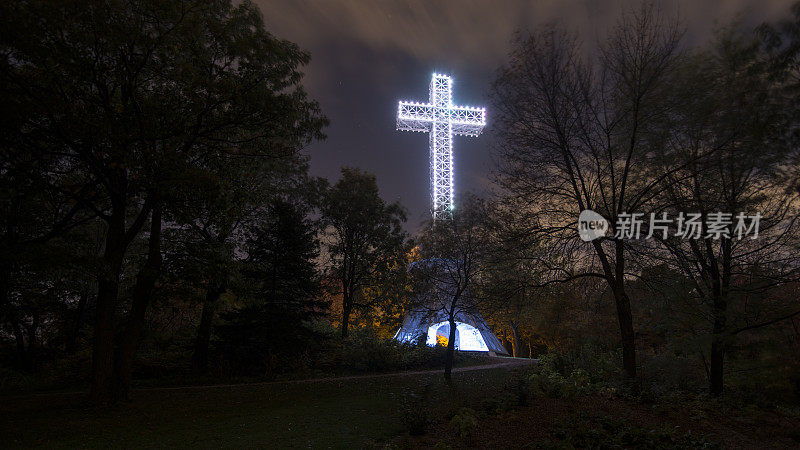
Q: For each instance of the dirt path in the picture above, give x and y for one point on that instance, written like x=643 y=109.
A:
x=502 y=362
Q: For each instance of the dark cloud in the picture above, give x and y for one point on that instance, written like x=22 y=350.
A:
x=367 y=54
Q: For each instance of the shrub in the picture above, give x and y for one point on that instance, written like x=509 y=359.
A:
x=364 y=351
x=550 y=384
x=465 y=423
x=606 y=432
x=668 y=376
x=414 y=407
x=264 y=338
x=519 y=388
x=591 y=361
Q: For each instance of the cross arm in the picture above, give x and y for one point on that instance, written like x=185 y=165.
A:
x=467 y=121
x=412 y=116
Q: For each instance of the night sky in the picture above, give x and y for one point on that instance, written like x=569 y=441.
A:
x=367 y=55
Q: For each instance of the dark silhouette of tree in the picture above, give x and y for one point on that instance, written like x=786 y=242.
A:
x=727 y=142
x=363 y=235
x=280 y=288
x=282 y=251
x=578 y=136
x=452 y=251
x=229 y=195
x=132 y=95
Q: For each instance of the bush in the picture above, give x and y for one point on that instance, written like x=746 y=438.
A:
x=519 y=389
x=588 y=369
x=546 y=380
x=465 y=423
x=54 y=372
x=264 y=339
x=364 y=351
x=670 y=377
x=606 y=432
x=590 y=362
x=550 y=384
x=414 y=409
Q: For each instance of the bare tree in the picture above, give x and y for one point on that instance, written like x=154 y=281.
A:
x=452 y=251
x=577 y=136
x=510 y=279
x=726 y=142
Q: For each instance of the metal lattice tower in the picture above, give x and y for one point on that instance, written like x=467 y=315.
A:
x=442 y=120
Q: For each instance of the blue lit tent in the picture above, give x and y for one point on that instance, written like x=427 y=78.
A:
x=472 y=332
x=428 y=320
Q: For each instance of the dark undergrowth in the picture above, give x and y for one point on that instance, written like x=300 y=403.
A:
x=167 y=363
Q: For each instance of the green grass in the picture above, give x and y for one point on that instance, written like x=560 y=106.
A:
x=338 y=414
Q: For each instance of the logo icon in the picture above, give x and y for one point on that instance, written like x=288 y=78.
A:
x=591 y=225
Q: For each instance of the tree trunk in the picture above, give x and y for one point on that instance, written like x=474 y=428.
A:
x=142 y=294
x=624 y=315
x=716 y=377
x=201 y=343
x=720 y=310
x=5 y=288
x=19 y=338
x=347 y=305
x=33 y=343
x=72 y=340
x=514 y=339
x=451 y=347
x=107 y=293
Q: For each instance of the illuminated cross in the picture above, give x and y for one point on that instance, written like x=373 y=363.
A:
x=442 y=120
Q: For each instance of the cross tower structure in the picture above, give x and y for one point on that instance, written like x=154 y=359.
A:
x=442 y=120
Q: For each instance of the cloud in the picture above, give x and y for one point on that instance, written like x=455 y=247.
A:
x=366 y=54
x=475 y=30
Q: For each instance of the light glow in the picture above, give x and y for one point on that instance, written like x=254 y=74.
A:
x=442 y=120
x=468 y=338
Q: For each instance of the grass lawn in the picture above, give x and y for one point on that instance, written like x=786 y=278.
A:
x=358 y=412
x=336 y=413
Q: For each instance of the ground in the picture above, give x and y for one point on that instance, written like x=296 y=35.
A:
x=546 y=419
x=331 y=412
x=351 y=412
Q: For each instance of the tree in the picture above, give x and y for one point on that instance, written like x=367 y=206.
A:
x=453 y=249
x=279 y=287
x=363 y=235
x=235 y=195
x=727 y=144
x=579 y=136
x=134 y=94
x=45 y=231
x=780 y=47
x=507 y=288
x=282 y=251
x=390 y=295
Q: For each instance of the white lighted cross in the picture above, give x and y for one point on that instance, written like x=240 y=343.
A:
x=442 y=120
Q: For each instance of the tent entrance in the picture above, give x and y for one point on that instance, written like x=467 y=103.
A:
x=468 y=338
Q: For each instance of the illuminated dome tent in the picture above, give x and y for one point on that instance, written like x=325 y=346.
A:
x=428 y=320
x=472 y=332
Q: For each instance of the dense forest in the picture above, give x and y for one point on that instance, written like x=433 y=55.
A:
x=160 y=225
